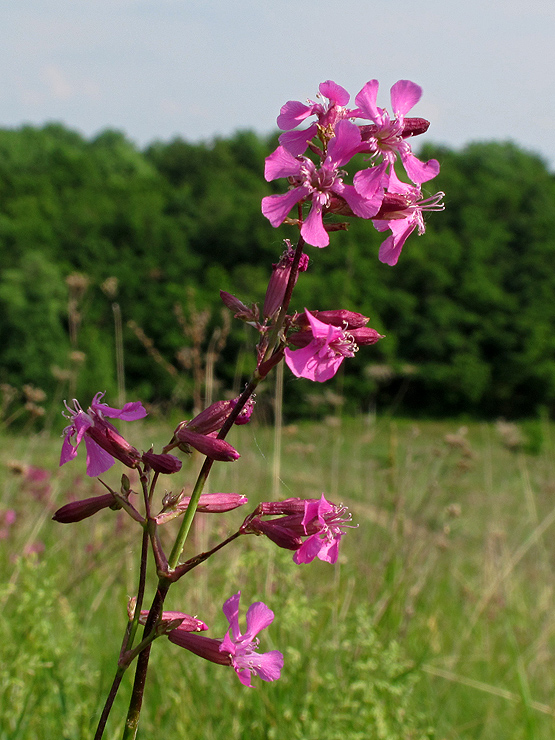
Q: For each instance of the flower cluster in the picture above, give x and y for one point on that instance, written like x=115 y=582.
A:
x=319 y=521
x=325 y=343
x=236 y=649
x=335 y=139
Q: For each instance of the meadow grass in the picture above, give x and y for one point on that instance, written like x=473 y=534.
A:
x=437 y=621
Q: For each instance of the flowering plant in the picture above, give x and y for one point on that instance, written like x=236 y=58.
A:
x=313 y=343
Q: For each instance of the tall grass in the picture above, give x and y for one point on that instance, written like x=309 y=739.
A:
x=438 y=620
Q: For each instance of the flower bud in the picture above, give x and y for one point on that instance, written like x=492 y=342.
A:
x=163 y=463
x=281 y=535
x=217 y=449
x=172 y=620
x=245 y=414
x=240 y=311
x=365 y=335
x=211 y=419
x=78 y=510
x=209 y=503
x=280 y=278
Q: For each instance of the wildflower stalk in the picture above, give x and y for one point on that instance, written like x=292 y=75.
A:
x=319 y=343
x=128 y=638
x=135 y=705
x=132 y=721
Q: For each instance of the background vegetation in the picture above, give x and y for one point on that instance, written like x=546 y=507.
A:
x=86 y=224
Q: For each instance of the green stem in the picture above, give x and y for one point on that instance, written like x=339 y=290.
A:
x=134 y=713
x=128 y=638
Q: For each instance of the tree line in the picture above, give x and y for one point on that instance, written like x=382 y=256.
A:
x=95 y=228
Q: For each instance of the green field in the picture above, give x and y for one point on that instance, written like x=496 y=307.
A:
x=437 y=622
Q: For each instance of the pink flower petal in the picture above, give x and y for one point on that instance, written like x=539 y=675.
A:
x=98 y=460
x=417 y=170
x=404 y=95
x=259 y=616
x=292 y=113
x=371 y=182
x=366 y=100
x=231 y=611
x=360 y=205
x=276 y=207
x=312 y=230
x=345 y=144
x=281 y=163
x=334 y=92
x=296 y=142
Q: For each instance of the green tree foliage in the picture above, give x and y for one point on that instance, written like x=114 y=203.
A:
x=467 y=311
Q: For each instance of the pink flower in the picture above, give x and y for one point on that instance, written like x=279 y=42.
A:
x=387 y=137
x=242 y=647
x=405 y=219
x=102 y=440
x=324 y=523
x=320 y=359
x=318 y=185
x=7 y=519
x=237 y=649
x=319 y=521
x=294 y=112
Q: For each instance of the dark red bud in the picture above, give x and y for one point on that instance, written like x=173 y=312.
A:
x=79 y=510
x=414 y=127
x=240 y=311
x=365 y=335
x=273 y=530
x=339 y=317
x=163 y=463
x=217 y=449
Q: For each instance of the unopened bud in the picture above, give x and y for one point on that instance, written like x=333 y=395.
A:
x=240 y=310
x=365 y=335
x=209 y=503
x=185 y=622
x=217 y=449
x=280 y=278
x=163 y=463
x=78 y=510
x=339 y=317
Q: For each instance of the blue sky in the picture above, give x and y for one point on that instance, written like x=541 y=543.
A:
x=160 y=68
